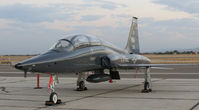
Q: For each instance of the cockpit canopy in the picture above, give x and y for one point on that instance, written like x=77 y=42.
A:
x=76 y=41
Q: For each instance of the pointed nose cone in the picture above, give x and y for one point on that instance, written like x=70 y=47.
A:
x=18 y=66
x=35 y=64
x=28 y=64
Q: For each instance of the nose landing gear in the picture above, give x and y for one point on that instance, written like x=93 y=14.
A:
x=53 y=99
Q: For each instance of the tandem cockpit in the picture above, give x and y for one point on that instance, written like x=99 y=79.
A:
x=72 y=42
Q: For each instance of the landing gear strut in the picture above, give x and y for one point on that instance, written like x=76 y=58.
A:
x=81 y=82
x=147 y=82
x=53 y=99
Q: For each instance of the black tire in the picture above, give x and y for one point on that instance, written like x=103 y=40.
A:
x=53 y=97
x=82 y=85
x=150 y=90
x=145 y=85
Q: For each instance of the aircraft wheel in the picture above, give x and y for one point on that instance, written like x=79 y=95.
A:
x=53 y=97
x=81 y=86
x=150 y=90
x=146 y=90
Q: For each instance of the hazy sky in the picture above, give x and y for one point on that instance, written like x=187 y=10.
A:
x=32 y=26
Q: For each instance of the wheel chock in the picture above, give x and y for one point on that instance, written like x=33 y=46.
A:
x=50 y=103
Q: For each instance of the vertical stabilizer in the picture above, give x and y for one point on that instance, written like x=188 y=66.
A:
x=133 y=41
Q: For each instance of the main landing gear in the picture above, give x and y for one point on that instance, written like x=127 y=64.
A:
x=53 y=99
x=147 y=82
x=81 y=82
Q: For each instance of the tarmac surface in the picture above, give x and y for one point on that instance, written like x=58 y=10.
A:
x=172 y=90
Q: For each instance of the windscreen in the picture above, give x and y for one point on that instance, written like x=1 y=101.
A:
x=62 y=45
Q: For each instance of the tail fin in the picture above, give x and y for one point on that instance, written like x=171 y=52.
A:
x=133 y=42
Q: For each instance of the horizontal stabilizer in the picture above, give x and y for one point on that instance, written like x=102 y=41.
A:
x=162 y=68
x=133 y=66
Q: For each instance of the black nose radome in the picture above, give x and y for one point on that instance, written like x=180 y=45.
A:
x=18 y=66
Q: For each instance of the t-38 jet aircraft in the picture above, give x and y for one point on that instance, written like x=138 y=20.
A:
x=83 y=53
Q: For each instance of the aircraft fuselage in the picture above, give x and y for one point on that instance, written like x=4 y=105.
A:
x=85 y=59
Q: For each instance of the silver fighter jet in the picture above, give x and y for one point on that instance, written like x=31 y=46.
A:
x=84 y=53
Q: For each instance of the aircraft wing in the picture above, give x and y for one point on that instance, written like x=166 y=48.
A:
x=132 y=66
